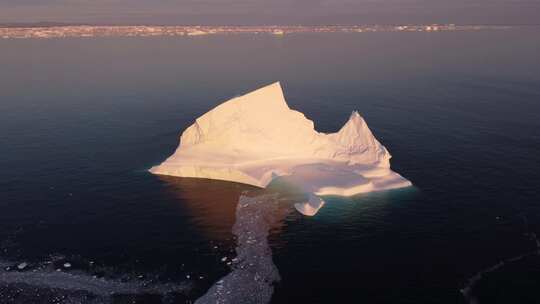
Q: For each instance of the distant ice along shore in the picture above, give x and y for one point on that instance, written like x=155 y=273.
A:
x=256 y=138
x=81 y=31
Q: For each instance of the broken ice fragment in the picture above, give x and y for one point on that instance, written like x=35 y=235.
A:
x=22 y=266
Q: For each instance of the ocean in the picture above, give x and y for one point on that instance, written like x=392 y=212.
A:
x=83 y=119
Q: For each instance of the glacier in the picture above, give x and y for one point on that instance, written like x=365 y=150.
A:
x=255 y=138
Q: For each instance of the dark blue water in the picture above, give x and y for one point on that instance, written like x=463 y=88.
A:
x=83 y=119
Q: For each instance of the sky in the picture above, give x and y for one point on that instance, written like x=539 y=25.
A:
x=254 y=12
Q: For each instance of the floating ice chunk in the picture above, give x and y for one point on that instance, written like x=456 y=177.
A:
x=67 y=265
x=311 y=207
x=256 y=138
x=22 y=266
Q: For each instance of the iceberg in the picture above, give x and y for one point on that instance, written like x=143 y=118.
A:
x=256 y=138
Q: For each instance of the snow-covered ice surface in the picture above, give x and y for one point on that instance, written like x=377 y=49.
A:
x=253 y=271
x=255 y=138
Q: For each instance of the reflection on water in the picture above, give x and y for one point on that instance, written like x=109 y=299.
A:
x=216 y=205
x=254 y=214
x=212 y=203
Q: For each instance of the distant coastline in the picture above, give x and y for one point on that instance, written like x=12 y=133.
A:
x=61 y=30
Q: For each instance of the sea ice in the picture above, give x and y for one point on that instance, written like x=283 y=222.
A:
x=22 y=266
x=57 y=280
x=256 y=138
x=253 y=274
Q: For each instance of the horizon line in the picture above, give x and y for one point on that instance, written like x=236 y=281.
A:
x=59 y=24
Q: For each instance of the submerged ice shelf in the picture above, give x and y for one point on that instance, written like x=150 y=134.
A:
x=256 y=138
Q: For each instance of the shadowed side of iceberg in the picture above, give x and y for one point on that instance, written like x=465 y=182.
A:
x=201 y=171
